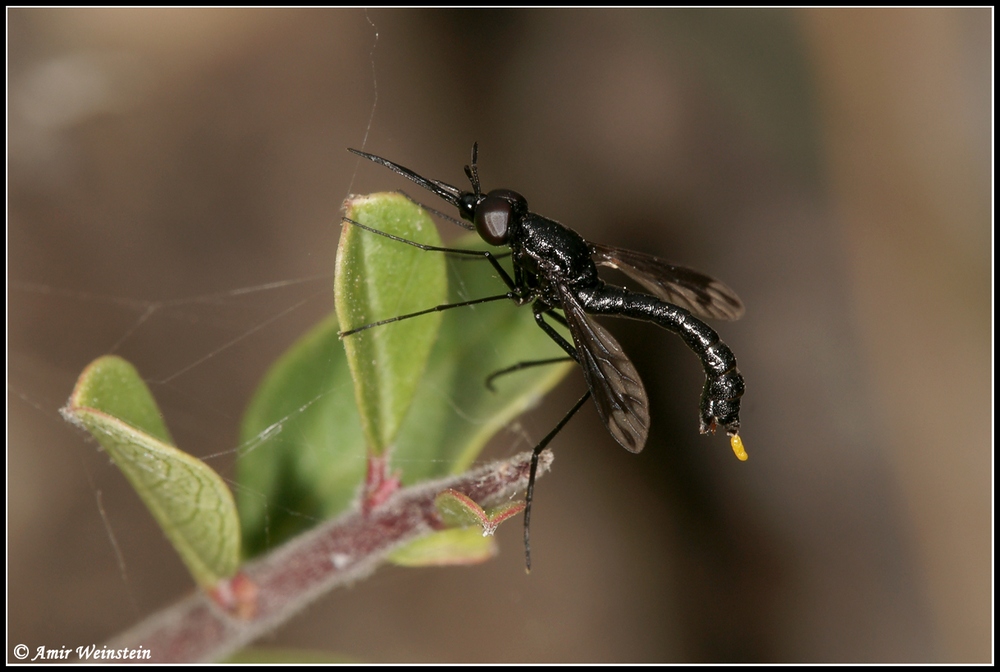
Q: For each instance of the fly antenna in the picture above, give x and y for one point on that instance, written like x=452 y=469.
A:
x=473 y=171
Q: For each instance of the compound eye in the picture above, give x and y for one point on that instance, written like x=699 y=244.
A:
x=493 y=217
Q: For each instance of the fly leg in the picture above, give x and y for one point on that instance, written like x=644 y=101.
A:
x=540 y=309
x=529 y=495
x=515 y=291
x=537 y=362
x=522 y=365
x=481 y=254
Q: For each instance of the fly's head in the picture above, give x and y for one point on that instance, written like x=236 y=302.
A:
x=498 y=214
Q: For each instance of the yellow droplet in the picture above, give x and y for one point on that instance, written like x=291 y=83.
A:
x=737 y=444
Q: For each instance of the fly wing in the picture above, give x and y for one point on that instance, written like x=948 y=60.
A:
x=613 y=380
x=704 y=296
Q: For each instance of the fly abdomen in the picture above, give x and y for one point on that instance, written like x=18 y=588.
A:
x=720 y=399
x=718 y=358
x=720 y=402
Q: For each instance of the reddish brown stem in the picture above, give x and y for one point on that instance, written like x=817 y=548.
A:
x=271 y=589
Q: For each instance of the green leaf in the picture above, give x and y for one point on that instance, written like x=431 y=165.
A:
x=302 y=451
x=186 y=497
x=112 y=386
x=303 y=447
x=378 y=278
x=459 y=546
x=458 y=510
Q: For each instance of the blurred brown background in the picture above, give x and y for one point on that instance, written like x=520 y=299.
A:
x=834 y=167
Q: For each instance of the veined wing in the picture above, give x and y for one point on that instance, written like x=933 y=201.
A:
x=704 y=296
x=614 y=382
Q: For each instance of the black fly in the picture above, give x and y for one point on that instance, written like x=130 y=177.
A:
x=555 y=268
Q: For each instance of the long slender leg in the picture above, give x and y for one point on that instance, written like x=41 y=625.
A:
x=540 y=310
x=522 y=365
x=539 y=362
x=501 y=255
x=515 y=294
x=482 y=254
x=557 y=317
x=529 y=495
x=445 y=306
